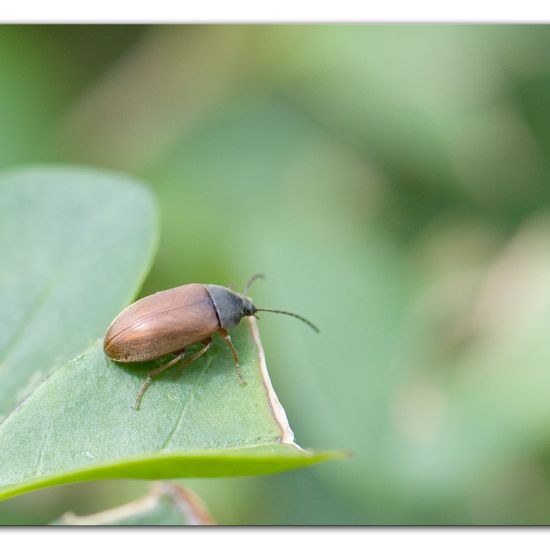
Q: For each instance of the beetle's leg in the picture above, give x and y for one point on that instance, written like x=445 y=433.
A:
x=155 y=372
x=225 y=335
x=207 y=345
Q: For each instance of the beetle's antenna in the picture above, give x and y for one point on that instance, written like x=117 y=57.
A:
x=292 y=315
x=251 y=280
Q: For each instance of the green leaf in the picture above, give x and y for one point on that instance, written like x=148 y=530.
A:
x=88 y=235
x=76 y=244
x=80 y=424
x=166 y=504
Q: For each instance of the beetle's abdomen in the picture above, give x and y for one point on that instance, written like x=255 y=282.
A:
x=162 y=323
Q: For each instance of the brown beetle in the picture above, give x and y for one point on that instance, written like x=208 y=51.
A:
x=170 y=321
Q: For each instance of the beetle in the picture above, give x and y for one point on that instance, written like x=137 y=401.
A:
x=170 y=321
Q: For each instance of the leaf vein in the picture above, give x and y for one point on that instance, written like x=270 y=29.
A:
x=45 y=440
x=185 y=406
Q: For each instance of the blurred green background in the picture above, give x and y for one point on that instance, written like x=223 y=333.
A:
x=393 y=183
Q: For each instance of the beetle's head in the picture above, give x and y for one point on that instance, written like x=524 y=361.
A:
x=230 y=306
x=249 y=308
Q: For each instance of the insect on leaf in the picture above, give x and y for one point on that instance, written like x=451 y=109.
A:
x=67 y=408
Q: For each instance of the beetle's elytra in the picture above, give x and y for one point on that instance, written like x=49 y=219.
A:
x=169 y=321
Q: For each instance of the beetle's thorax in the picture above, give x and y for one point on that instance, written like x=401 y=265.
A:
x=230 y=307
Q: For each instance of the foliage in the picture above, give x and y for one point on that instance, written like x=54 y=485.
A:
x=166 y=504
x=392 y=183
x=68 y=421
